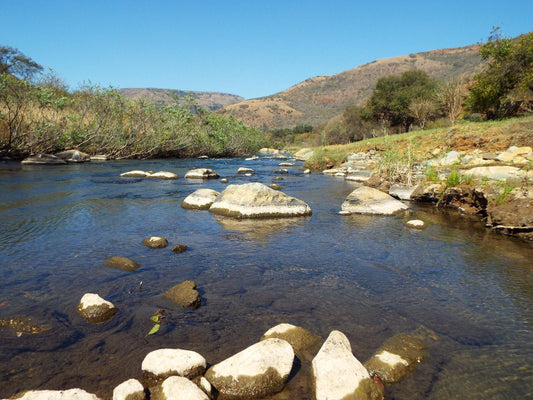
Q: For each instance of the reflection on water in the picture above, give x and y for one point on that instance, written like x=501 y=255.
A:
x=259 y=228
x=467 y=291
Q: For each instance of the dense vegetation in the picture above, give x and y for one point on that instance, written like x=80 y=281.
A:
x=39 y=115
x=505 y=88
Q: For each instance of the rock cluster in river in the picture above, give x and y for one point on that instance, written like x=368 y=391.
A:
x=264 y=369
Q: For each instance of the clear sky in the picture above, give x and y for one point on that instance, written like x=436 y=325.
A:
x=252 y=48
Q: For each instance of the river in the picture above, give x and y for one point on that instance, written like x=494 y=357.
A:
x=466 y=290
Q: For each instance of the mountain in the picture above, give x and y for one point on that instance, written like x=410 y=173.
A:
x=210 y=100
x=318 y=99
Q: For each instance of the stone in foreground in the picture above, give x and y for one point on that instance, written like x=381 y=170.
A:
x=155 y=242
x=129 y=390
x=299 y=338
x=162 y=363
x=201 y=173
x=179 y=388
x=71 y=394
x=94 y=309
x=336 y=374
x=200 y=199
x=122 y=263
x=396 y=358
x=185 y=294
x=258 y=371
x=367 y=200
x=255 y=200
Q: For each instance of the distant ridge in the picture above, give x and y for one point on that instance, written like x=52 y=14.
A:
x=209 y=100
x=320 y=98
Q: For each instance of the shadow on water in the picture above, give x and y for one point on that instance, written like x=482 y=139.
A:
x=466 y=290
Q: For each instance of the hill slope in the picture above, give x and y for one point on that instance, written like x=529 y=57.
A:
x=320 y=98
x=209 y=100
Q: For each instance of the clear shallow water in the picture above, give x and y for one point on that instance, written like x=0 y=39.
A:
x=468 y=291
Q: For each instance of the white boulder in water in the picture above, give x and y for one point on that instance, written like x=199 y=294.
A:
x=255 y=200
x=367 y=200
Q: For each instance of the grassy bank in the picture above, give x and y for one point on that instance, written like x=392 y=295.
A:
x=487 y=136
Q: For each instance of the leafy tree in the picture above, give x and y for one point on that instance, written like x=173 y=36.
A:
x=505 y=88
x=14 y=62
x=391 y=99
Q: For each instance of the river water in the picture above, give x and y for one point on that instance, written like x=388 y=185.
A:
x=467 y=291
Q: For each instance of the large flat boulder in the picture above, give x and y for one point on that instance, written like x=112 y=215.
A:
x=255 y=200
x=367 y=200
x=43 y=159
x=498 y=173
x=258 y=371
x=200 y=199
x=336 y=374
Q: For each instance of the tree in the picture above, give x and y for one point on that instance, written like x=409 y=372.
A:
x=15 y=63
x=391 y=99
x=422 y=109
x=452 y=95
x=505 y=87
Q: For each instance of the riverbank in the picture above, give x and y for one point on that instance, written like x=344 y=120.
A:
x=484 y=169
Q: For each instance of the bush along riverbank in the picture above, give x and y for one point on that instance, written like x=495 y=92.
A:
x=47 y=119
x=483 y=169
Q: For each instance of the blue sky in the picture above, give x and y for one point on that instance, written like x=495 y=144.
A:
x=251 y=48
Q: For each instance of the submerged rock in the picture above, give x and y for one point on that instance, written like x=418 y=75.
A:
x=258 y=371
x=155 y=242
x=201 y=173
x=122 y=263
x=396 y=358
x=94 y=309
x=179 y=248
x=185 y=294
x=23 y=325
x=200 y=199
x=337 y=374
x=367 y=200
x=43 y=159
x=162 y=363
x=71 y=394
x=131 y=389
x=255 y=200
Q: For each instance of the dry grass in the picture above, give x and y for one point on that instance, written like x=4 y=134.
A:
x=488 y=136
